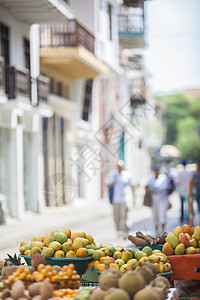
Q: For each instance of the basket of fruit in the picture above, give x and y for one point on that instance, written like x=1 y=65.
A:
x=182 y=246
x=61 y=248
x=59 y=277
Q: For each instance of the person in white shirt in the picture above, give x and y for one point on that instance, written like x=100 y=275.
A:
x=157 y=184
x=120 y=180
x=183 y=179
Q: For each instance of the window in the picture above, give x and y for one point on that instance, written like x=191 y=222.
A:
x=60 y=89
x=4 y=42
x=4 y=51
x=27 y=53
x=110 y=21
x=87 y=103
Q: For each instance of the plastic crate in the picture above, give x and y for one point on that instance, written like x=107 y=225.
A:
x=183 y=267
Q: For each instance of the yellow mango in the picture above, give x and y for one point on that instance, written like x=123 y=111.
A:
x=143 y=259
x=107 y=260
x=21 y=250
x=154 y=258
x=157 y=265
x=89 y=238
x=84 y=242
x=48 y=239
x=75 y=235
x=37 y=244
x=96 y=264
x=124 y=268
x=91 y=264
x=70 y=254
x=27 y=252
x=59 y=254
x=101 y=267
x=55 y=245
x=76 y=244
x=47 y=252
x=23 y=243
x=82 y=252
x=37 y=239
x=161 y=267
x=113 y=265
x=35 y=250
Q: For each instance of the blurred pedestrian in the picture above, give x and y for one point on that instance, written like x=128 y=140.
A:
x=120 y=179
x=194 y=184
x=183 y=179
x=172 y=175
x=157 y=185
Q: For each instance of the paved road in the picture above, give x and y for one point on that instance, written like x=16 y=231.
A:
x=96 y=220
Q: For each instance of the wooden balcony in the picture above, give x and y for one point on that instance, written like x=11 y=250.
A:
x=131 y=29
x=19 y=83
x=70 y=34
x=43 y=89
x=67 y=50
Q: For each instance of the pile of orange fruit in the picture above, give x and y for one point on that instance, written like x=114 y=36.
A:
x=66 y=278
x=22 y=273
x=64 y=294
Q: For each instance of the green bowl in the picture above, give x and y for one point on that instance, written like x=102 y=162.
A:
x=153 y=247
x=80 y=263
x=166 y=273
x=160 y=274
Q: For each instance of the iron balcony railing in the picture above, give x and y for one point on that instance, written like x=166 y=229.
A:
x=130 y=23
x=43 y=89
x=134 y=3
x=2 y=74
x=19 y=83
x=60 y=89
x=70 y=34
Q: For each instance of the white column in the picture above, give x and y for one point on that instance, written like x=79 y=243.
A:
x=40 y=168
x=35 y=61
x=16 y=171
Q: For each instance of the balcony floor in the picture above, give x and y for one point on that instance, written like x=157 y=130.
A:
x=129 y=40
x=72 y=63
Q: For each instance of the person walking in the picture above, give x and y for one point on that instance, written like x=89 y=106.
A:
x=194 y=183
x=157 y=184
x=183 y=179
x=120 y=179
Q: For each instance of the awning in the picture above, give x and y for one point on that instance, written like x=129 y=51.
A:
x=168 y=151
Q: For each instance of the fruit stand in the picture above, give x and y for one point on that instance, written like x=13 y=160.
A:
x=70 y=265
x=183 y=250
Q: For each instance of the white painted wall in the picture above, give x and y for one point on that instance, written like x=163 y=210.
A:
x=84 y=12
x=17 y=32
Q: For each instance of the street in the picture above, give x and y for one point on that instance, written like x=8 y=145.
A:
x=96 y=221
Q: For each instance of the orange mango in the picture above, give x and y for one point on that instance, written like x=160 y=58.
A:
x=167 y=249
